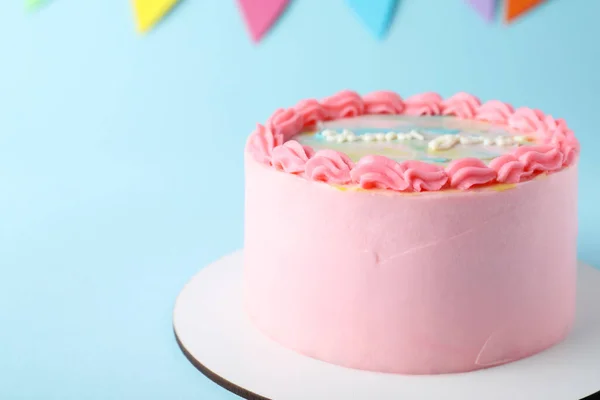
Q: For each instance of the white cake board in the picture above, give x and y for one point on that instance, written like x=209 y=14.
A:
x=217 y=337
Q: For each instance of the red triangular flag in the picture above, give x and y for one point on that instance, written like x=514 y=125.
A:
x=261 y=14
x=516 y=8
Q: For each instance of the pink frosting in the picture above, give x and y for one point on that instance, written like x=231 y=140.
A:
x=559 y=135
x=527 y=120
x=468 y=172
x=261 y=143
x=552 y=124
x=286 y=122
x=379 y=172
x=422 y=284
x=509 y=168
x=542 y=158
x=423 y=176
x=384 y=173
x=569 y=148
x=383 y=102
x=423 y=104
x=559 y=146
x=344 y=104
x=291 y=157
x=494 y=111
x=462 y=105
x=329 y=166
x=311 y=111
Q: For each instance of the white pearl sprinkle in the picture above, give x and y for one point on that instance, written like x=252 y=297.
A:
x=380 y=136
x=368 y=137
x=416 y=135
x=329 y=133
x=351 y=137
x=520 y=139
x=504 y=141
x=331 y=138
x=470 y=139
x=390 y=136
x=488 y=142
x=443 y=142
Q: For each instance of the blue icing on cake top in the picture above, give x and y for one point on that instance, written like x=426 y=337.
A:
x=408 y=138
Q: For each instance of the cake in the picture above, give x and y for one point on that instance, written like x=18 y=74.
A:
x=413 y=236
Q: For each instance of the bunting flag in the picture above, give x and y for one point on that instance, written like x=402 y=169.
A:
x=377 y=15
x=32 y=5
x=516 y=8
x=149 y=12
x=485 y=8
x=260 y=15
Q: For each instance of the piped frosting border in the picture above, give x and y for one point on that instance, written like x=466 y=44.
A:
x=271 y=144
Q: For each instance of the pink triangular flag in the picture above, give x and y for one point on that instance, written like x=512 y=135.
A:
x=260 y=15
x=485 y=8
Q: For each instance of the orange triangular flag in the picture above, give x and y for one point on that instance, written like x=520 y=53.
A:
x=515 y=8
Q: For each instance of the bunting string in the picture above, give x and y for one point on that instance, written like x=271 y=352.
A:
x=260 y=16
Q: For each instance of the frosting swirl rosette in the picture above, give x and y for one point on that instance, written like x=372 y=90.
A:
x=379 y=172
x=383 y=102
x=468 y=172
x=553 y=125
x=329 y=166
x=344 y=104
x=422 y=176
x=423 y=104
x=527 y=120
x=509 y=169
x=311 y=112
x=261 y=144
x=494 y=111
x=541 y=158
x=462 y=105
x=291 y=157
x=285 y=122
x=569 y=148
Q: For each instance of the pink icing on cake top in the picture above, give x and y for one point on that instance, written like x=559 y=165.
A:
x=291 y=157
x=462 y=105
x=509 y=169
x=469 y=172
x=383 y=173
x=429 y=103
x=329 y=166
x=383 y=102
x=494 y=111
x=271 y=144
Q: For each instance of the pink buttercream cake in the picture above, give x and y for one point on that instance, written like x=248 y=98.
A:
x=414 y=236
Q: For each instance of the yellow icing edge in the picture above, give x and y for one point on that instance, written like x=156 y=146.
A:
x=499 y=187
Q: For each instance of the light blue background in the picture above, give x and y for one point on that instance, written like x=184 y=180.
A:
x=121 y=157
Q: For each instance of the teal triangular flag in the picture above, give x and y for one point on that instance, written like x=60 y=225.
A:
x=375 y=14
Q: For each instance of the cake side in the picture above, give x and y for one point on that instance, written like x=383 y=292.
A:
x=425 y=283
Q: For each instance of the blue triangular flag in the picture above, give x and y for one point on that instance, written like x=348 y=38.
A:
x=376 y=14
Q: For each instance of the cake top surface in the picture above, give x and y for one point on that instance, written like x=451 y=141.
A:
x=433 y=139
x=422 y=143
